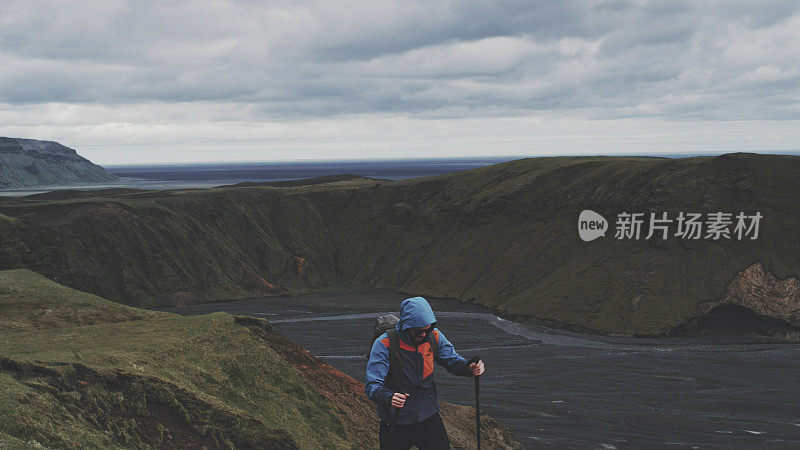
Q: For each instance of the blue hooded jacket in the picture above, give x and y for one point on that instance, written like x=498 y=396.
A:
x=417 y=369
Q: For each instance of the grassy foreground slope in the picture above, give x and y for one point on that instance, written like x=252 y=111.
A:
x=77 y=371
x=503 y=236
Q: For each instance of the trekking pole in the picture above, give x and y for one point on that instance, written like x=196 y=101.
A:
x=477 y=402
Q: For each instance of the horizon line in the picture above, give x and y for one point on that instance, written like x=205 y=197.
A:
x=666 y=155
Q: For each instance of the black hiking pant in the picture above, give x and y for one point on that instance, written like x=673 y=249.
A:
x=426 y=435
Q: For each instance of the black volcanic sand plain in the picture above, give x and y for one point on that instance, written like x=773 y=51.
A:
x=570 y=390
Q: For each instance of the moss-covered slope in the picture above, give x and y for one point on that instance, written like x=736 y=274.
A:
x=144 y=379
x=78 y=371
x=504 y=236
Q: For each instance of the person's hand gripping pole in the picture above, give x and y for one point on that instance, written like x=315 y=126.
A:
x=477 y=368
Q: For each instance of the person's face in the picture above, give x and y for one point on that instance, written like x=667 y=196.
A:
x=420 y=334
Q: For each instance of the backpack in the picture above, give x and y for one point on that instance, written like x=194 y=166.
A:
x=382 y=325
x=386 y=324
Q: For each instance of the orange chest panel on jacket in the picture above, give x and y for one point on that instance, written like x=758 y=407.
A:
x=423 y=349
x=427 y=359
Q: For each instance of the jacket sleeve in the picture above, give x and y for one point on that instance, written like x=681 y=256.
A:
x=377 y=369
x=449 y=359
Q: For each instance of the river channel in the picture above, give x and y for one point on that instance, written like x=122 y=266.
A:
x=562 y=389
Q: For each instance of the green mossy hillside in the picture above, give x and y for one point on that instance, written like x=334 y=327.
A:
x=29 y=301
x=504 y=236
x=123 y=377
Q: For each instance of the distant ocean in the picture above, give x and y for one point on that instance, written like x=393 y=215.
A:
x=189 y=176
x=230 y=173
x=201 y=175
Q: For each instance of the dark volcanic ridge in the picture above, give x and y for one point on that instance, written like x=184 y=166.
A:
x=29 y=162
x=730 y=319
x=503 y=236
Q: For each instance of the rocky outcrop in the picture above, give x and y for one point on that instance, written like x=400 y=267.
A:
x=301 y=266
x=259 y=285
x=28 y=162
x=762 y=292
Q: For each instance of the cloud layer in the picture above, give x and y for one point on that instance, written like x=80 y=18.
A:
x=149 y=64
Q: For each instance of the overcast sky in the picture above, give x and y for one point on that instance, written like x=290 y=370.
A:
x=173 y=81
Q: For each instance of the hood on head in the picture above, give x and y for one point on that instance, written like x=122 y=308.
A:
x=415 y=312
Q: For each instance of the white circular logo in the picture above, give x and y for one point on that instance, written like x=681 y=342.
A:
x=591 y=225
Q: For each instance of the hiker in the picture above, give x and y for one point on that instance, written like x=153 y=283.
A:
x=407 y=406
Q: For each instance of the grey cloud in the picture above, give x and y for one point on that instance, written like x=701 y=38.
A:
x=754 y=14
x=612 y=59
x=474 y=20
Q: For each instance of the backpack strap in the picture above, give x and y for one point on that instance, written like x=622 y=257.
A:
x=434 y=342
x=395 y=359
